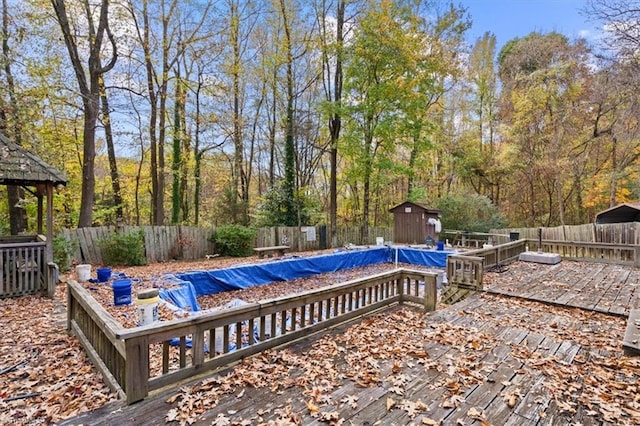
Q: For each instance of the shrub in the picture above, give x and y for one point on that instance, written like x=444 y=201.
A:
x=234 y=240
x=124 y=249
x=63 y=249
x=469 y=212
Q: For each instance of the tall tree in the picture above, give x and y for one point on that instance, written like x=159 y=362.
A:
x=332 y=45
x=543 y=77
x=111 y=153
x=289 y=147
x=163 y=34
x=480 y=157
x=88 y=79
x=11 y=125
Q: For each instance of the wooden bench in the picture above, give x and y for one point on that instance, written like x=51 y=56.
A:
x=269 y=251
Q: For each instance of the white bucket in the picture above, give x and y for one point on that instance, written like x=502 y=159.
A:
x=379 y=241
x=83 y=272
x=147 y=303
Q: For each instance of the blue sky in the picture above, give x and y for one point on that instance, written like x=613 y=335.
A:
x=508 y=19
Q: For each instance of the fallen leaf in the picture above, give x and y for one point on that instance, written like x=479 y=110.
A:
x=390 y=403
x=477 y=414
x=352 y=400
x=313 y=409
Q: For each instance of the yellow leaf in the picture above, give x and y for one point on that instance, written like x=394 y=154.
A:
x=313 y=408
x=390 y=403
x=429 y=421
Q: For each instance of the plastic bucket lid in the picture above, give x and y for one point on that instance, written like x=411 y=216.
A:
x=148 y=294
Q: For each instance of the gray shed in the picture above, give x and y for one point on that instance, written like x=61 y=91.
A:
x=626 y=212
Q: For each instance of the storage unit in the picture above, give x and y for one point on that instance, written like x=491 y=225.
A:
x=414 y=223
x=622 y=213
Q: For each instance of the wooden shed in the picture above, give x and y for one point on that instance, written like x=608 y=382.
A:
x=414 y=223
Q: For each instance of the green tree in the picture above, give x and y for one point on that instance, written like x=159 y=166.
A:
x=544 y=87
x=469 y=212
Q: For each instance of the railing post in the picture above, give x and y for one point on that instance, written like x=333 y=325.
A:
x=430 y=292
x=636 y=256
x=137 y=369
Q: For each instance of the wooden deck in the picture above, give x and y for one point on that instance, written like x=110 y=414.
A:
x=501 y=360
x=599 y=287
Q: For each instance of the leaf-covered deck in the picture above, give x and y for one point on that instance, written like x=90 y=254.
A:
x=600 y=287
x=491 y=358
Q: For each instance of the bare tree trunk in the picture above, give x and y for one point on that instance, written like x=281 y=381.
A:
x=177 y=154
x=111 y=153
x=12 y=126
x=335 y=125
x=89 y=85
x=613 y=188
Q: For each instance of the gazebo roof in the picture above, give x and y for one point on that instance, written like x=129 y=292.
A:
x=21 y=167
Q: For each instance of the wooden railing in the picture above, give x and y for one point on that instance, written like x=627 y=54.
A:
x=500 y=254
x=23 y=269
x=465 y=271
x=137 y=361
x=624 y=254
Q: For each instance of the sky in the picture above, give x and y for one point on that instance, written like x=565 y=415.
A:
x=508 y=19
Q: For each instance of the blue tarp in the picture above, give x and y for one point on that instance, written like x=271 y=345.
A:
x=219 y=280
x=182 y=294
x=239 y=277
x=437 y=258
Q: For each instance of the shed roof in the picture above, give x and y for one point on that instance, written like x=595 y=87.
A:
x=420 y=207
x=625 y=212
x=21 y=167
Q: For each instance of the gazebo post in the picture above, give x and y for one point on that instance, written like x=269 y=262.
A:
x=51 y=284
x=40 y=189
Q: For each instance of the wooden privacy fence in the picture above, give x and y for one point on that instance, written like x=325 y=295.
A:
x=164 y=243
x=612 y=233
x=623 y=254
x=307 y=238
x=137 y=361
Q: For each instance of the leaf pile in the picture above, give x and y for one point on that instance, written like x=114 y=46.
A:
x=45 y=374
x=327 y=380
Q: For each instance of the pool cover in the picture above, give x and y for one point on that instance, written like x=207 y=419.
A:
x=240 y=277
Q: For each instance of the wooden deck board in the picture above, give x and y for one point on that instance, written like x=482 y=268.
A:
x=479 y=351
x=624 y=301
x=608 y=299
x=606 y=288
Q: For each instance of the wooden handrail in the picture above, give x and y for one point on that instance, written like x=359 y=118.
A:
x=124 y=355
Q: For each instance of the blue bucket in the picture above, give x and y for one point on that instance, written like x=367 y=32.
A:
x=104 y=274
x=440 y=245
x=121 y=292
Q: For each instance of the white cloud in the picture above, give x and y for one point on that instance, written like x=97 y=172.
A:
x=584 y=33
